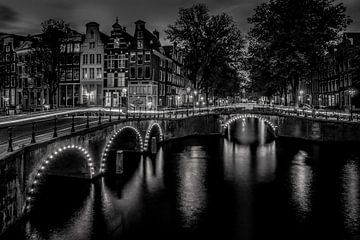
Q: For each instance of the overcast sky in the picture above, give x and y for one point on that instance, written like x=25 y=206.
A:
x=25 y=16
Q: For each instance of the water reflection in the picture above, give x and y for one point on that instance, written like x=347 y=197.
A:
x=192 y=191
x=301 y=176
x=351 y=204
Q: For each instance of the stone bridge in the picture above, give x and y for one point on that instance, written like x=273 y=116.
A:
x=23 y=170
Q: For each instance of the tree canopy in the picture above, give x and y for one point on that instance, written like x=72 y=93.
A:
x=212 y=45
x=46 y=54
x=286 y=38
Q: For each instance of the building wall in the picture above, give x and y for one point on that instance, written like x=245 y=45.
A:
x=92 y=66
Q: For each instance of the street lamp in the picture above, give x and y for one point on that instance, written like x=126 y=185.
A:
x=178 y=101
x=188 y=89
x=351 y=92
x=195 y=98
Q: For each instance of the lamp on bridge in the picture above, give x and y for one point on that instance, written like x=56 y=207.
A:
x=352 y=92
x=188 y=89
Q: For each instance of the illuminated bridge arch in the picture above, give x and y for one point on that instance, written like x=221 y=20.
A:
x=148 y=132
x=243 y=116
x=40 y=172
x=110 y=142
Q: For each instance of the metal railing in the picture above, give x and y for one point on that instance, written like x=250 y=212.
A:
x=15 y=134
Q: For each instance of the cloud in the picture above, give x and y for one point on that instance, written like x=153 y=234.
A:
x=8 y=16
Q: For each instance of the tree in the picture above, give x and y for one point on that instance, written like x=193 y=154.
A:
x=211 y=43
x=46 y=55
x=288 y=36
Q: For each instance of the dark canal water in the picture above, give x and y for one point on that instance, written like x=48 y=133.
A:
x=245 y=187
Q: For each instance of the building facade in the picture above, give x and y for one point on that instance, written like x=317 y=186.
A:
x=9 y=81
x=69 y=67
x=92 y=66
x=116 y=64
x=334 y=76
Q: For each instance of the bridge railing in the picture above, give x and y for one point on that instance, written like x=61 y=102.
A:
x=17 y=133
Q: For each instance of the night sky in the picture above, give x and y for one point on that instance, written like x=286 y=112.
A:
x=25 y=16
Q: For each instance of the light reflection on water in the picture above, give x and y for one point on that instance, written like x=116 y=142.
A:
x=213 y=187
x=350 y=195
x=301 y=176
x=191 y=191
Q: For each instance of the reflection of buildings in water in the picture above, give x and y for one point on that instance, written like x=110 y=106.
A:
x=301 y=179
x=350 y=197
x=192 y=189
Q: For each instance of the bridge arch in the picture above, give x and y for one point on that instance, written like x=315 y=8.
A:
x=39 y=173
x=111 y=140
x=272 y=125
x=148 y=132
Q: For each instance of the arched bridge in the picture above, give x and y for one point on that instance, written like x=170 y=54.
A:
x=82 y=151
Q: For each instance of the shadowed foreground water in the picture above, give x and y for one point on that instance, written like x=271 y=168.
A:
x=198 y=188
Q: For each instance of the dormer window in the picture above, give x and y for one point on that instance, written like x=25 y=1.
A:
x=116 y=43
x=140 y=34
x=140 y=44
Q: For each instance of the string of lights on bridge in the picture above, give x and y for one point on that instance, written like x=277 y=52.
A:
x=110 y=142
x=147 y=136
x=243 y=116
x=45 y=163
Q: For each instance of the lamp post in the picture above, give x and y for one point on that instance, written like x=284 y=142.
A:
x=351 y=93
x=195 y=98
x=188 y=89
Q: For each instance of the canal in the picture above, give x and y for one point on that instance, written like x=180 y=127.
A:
x=245 y=186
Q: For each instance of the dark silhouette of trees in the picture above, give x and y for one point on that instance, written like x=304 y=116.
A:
x=287 y=37
x=213 y=47
x=46 y=55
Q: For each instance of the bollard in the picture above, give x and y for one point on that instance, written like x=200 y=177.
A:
x=72 y=123
x=110 y=115
x=33 y=133
x=55 y=127
x=10 y=148
x=99 y=122
x=153 y=145
x=119 y=162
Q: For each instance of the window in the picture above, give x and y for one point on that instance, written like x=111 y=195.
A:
x=132 y=57
x=98 y=58
x=91 y=73
x=110 y=82
x=140 y=72
x=76 y=74
x=76 y=60
x=132 y=72
x=68 y=74
x=140 y=58
x=98 y=73
x=92 y=45
x=147 y=72
x=116 y=43
x=122 y=79
x=77 y=47
x=84 y=73
x=69 y=47
x=122 y=61
x=7 y=49
x=147 y=56
x=85 y=59
x=140 y=44
x=92 y=58
x=140 y=34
